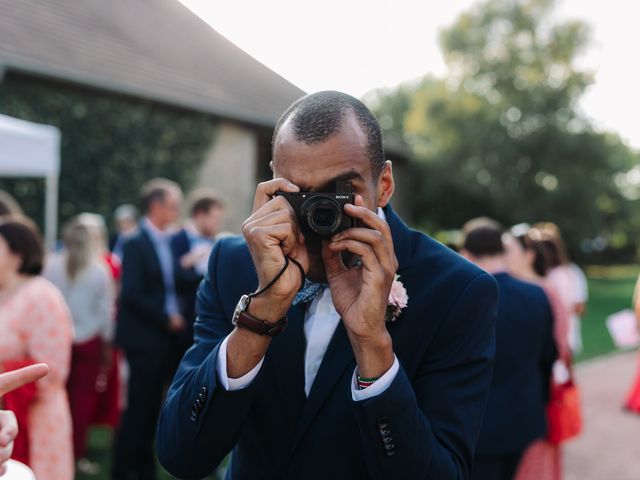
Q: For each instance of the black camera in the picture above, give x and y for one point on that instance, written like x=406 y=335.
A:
x=322 y=213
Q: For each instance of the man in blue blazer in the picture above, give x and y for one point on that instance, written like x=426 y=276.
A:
x=348 y=389
x=191 y=248
x=149 y=322
x=525 y=352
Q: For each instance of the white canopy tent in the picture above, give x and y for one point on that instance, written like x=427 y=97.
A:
x=33 y=150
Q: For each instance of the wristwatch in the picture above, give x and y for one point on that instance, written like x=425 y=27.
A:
x=242 y=319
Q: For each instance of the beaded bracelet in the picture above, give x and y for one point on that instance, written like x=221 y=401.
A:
x=364 y=382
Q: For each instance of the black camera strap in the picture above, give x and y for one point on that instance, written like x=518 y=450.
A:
x=280 y=273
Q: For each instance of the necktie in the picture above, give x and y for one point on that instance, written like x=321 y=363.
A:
x=309 y=291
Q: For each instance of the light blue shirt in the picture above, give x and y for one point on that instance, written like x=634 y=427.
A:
x=162 y=243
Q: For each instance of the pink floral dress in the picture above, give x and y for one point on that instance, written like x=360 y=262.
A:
x=35 y=324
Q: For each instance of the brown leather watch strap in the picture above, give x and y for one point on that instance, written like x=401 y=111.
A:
x=255 y=325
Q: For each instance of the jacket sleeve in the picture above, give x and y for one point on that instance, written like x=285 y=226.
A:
x=132 y=294
x=187 y=279
x=427 y=427
x=199 y=415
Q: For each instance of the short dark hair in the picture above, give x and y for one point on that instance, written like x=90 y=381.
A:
x=24 y=239
x=155 y=191
x=484 y=241
x=318 y=116
x=201 y=201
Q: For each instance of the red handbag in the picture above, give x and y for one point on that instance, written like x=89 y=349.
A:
x=564 y=416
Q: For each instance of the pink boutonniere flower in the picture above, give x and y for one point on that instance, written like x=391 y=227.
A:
x=398 y=300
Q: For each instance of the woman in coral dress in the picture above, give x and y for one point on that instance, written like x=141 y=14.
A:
x=36 y=326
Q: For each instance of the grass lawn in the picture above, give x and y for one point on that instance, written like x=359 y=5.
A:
x=610 y=290
x=100 y=450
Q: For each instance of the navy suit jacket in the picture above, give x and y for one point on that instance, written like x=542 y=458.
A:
x=525 y=352
x=142 y=323
x=444 y=340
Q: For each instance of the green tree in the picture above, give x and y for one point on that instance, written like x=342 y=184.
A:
x=502 y=134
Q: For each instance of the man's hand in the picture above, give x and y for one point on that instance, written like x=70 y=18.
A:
x=176 y=322
x=272 y=233
x=360 y=294
x=8 y=424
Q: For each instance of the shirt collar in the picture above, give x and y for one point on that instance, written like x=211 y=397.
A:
x=155 y=233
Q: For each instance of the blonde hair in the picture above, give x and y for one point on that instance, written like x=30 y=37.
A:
x=84 y=238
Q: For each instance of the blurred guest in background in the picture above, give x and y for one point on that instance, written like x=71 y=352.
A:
x=191 y=248
x=108 y=389
x=36 y=326
x=148 y=327
x=566 y=279
x=525 y=352
x=126 y=218
x=632 y=402
x=526 y=259
x=8 y=205
x=82 y=276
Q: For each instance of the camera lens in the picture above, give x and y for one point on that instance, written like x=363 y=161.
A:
x=323 y=215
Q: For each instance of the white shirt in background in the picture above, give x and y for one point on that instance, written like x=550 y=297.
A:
x=90 y=297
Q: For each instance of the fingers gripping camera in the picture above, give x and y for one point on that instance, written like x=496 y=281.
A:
x=321 y=214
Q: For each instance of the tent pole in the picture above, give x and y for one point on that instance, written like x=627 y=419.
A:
x=51 y=209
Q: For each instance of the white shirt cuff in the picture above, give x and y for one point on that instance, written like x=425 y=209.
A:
x=231 y=384
x=378 y=386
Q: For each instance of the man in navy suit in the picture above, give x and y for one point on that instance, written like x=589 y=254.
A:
x=525 y=352
x=340 y=392
x=149 y=322
x=191 y=248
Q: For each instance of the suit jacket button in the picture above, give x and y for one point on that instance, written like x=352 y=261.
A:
x=194 y=413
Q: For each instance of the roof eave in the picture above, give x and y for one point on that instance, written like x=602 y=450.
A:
x=41 y=69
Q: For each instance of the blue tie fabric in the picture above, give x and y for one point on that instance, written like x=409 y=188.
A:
x=309 y=291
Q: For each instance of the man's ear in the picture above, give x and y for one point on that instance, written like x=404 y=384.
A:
x=271 y=165
x=385 y=186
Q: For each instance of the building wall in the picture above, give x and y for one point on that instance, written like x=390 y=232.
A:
x=230 y=169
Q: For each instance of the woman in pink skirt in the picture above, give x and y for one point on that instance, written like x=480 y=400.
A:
x=526 y=260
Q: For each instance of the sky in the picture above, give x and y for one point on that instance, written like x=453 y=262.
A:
x=358 y=45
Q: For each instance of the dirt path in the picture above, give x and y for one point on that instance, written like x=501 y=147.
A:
x=609 y=448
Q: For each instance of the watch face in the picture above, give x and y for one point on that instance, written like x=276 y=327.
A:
x=241 y=307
